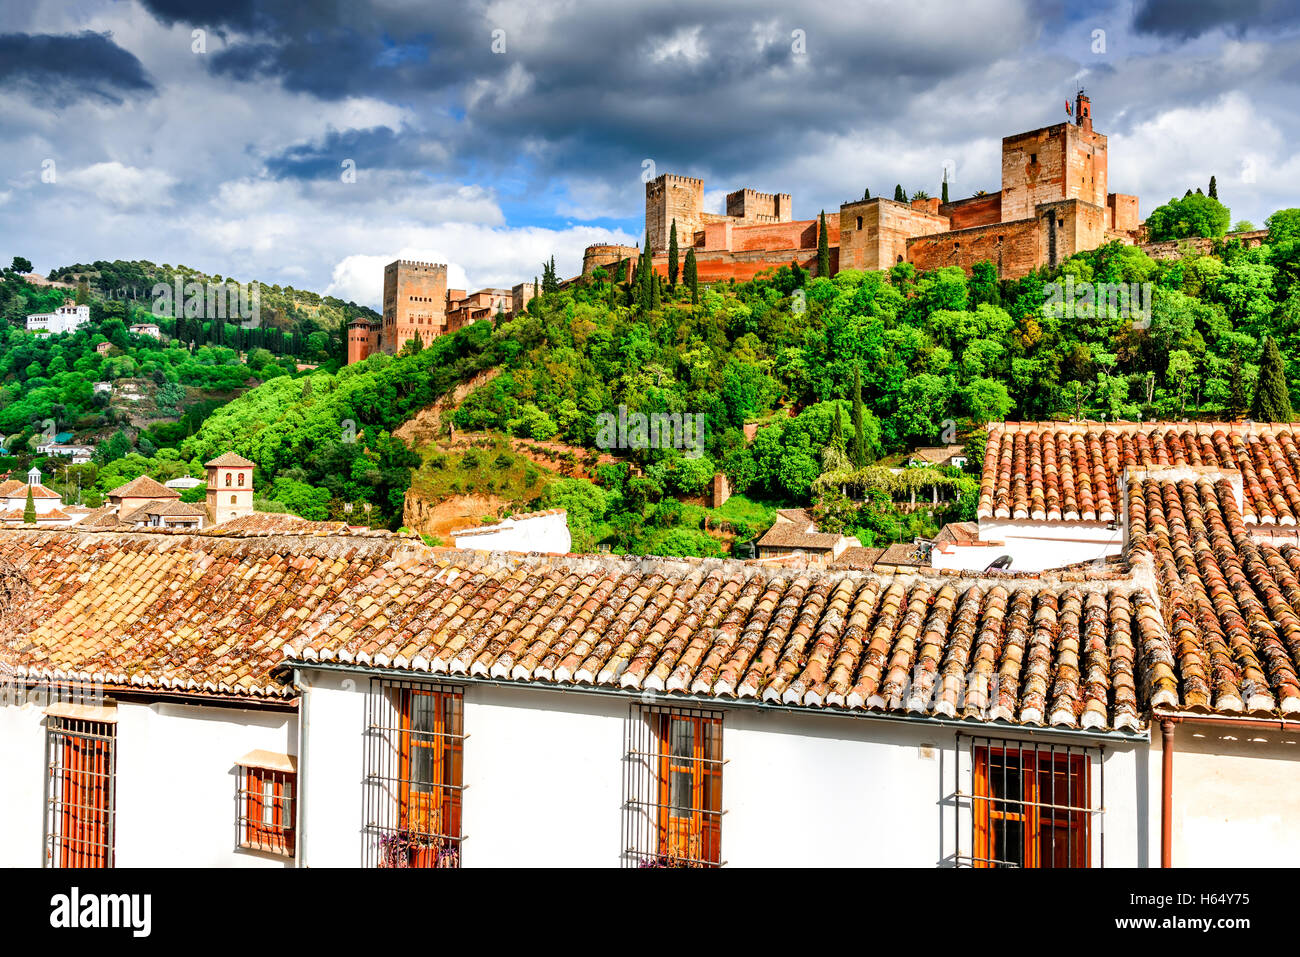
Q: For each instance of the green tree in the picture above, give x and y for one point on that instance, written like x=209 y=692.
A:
x=823 y=249
x=858 y=444
x=899 y=195
x=672 y=254
x=29 y=510
x=1193 y=215
x=1272 y=401
x=692 y=276
x=1214 y=188
x=1236 y=387
x=1283 y=226
x=943 y=194
x=21 y=264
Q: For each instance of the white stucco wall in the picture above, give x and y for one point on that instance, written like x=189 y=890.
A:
x=1235 y=795
x=544 y=776
x=544 y=533
x=175 y=783
x=1036 y=546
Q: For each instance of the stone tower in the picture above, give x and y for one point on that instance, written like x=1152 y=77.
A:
x=230 y=487
x=415 y=303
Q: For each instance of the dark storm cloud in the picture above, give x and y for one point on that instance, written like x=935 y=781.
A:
x=55 y=70
x=1187 y=19
x=602 y=86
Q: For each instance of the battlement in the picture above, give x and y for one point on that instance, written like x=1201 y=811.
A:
x=673 y=179
x=413 y=264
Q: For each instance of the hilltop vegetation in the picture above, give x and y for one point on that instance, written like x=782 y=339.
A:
x=841 y=376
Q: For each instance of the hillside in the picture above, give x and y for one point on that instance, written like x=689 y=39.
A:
x=842 y=374
x=283 y=307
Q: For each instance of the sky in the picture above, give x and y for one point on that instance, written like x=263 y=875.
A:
x=309 y=143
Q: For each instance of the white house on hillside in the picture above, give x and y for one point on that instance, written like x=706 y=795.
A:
x=67 y=318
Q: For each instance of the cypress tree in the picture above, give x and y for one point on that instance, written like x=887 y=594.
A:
x=866 y=194
x=899 y=195
x=29 y=510
x=672 y=254
x=858 y=444
x=1188 y=193
x=823 y=249
x=943 y=196
x=1272 y=399
x=1237 y=388
x=692 y=276
x=1214 y=188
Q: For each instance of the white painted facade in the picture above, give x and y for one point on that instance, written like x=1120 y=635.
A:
x=545 y=532
x=67 y=318
x=176 y=781
x=544 y=776
x=1039 y=545
x=797 y=788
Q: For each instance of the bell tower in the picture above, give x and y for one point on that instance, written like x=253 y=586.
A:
x=230 y=488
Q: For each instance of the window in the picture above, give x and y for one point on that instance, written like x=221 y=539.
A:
x=228 y=479
x=81 y=759
x=673 y=788
x=241 y=479
x=264 y=804
x=1031 y=806
x=233 y=499
x=859 y=222
x=414 y=775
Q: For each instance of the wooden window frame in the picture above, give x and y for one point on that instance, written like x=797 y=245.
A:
x=266 y=818
x=670 y=748
x=414 y=775
x=1035 y=809
x=81 y=792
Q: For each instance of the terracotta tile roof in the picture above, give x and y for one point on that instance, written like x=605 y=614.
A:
x=858 y=556
x=277 y=523
x=1064 y=656
x=229 y=460
x=10 y=485
x=202 y=613
x=1072 y=471
x=959 y=532
x=182 y=612
x=143 y=487
x=901 y=554
x=790 y=530
x=1229 y=601
x=938 y=454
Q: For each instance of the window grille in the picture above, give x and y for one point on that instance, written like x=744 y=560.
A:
x=672 y=787
x=414 y=774
x=81 y=758
x=264 y=810
x=1031 y=804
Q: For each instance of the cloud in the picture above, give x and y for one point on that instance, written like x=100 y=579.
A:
x=121 y=187
x=57 y=70
x=1185 y=20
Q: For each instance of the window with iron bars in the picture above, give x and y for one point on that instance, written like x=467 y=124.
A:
x=81 y=758
x=1031 y=804
x=264 y=810
x=414 y=774
x=672 y=787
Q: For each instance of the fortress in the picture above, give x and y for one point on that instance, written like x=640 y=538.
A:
x=418 y=305
x=1054 y=202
